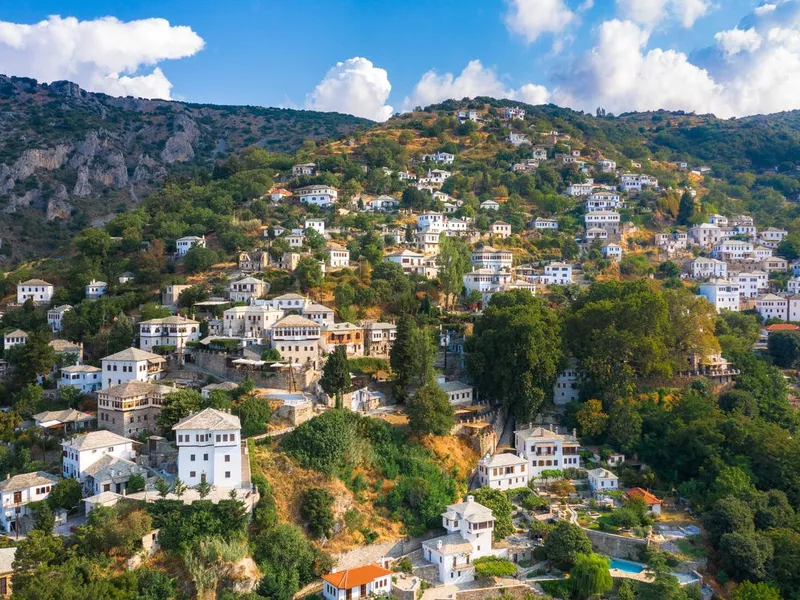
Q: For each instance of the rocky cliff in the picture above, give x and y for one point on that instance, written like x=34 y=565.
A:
x=64 y=150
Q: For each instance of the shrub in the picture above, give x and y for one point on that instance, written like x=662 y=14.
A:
x=316 y=509
x=493 y=566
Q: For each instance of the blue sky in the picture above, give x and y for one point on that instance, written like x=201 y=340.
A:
x=274 y=53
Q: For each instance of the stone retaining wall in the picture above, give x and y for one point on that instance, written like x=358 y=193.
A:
x=616 y=546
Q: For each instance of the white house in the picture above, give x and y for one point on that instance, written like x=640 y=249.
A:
x=793 y=285
x=384 y=204
x=547 y=449
x=318 y=195
x=353 y=584
x=513 y=112
x=444 y=158
x=603 y=219
x=539 y=152
x=251 y=321
x=95 y=289
x=491 y=258
x=772 y=236
x=55 y=317
x=338 y=256
x=131 y=364
x=319 y=313
x=410 y=261
x=317 y=225
x=457 y=392
x=540 y=223
x=209 y=449
x=298 y=340
x=596 y=233
x=37 y=290
x=79 y=453
x=517 y=139
x=86 y=378
x=772 y=306
x=290 y=301
x=279 y=195
x=489 y=205
x=602 y=481
x=762 y=252
x=606 y=165
x=612 y=251
x=567 y=385
x=469 y=527
x=433 y=221
x=723 y=294
x=634 y=183
x=705 y=234
x=173 y=331
x=500 y=229
x=12 y=338
x=503 y=471
x=732 y=250
x=307 y=169
x=751 y=283
x=580 y=189
x=602 y=200
x=484 y=280
x=185 y=244
x=18 y=491
x=247 y=289
x=703 y=268
x=718 y=220
x=438 y=176
x=557 y=273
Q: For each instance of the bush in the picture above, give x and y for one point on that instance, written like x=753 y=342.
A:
x=492 y=566
x=565 y=542
x=316 y=510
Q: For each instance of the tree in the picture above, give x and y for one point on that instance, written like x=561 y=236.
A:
x=686 y=209
x=317 y=510
x=590 y=576
x=308 y=273
x=32 y=359
x=335 y=378
x=94 y=242
x=135 y=484
x=415 y=199
x=178 y=487
x=203 y=488
x=745 y=555
x=429 y=411
x=784 y=348
x=755 y=591
x=43 y=517
x=728 y=515
x=493 y=566
x=29 y=400
x=178 y=405
x=66 y=493
x=200 y=259
x=497 y=501
x=121 y=334
x=624 y=428
x=565 y=543
x=626 y=591
x=162 y=487
x=454 y=261
x=420 y=368
x=515 y=353
x=38 y=548
x=669 y=269
x=401 y=353
x=255 y=414
x=154 y=585
x=591 y=418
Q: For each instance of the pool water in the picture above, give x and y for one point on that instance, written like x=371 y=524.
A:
x=626 y=565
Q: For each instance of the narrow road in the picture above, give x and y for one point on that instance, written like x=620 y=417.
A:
x=507 y=437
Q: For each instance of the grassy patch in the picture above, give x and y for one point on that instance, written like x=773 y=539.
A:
x=560 y=588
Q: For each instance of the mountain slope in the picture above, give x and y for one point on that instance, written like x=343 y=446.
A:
x=65 y=151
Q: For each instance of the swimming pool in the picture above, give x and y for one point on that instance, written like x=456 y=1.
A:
x=626 y=565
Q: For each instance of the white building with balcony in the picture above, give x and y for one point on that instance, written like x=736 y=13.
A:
x=131 y=364
x=20 y=490
x=247 y=289
x=557 y=273
x=354 y=584
x=491 y=258
x=410 y=261
x=751 y=283
x=567 y=385
x=95 y=289
x=298 y=340
x=55 y=317
x=503 y=471
x=318 y=195
x=81 y=452
x=705 y=234
x=602 y=482
x=173 y=331
x=705 y=268
x=469 y=527
x=210 y=449
x=547 y=449
x=185 y=244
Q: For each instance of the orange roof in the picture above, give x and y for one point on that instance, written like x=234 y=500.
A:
x=281 y=191
x=782 y=327
x=350 y=578
x=638 y=492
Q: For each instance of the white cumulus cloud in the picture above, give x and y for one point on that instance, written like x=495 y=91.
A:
x=652 y=12
x=752 y=69
x=102 y=55
x=734 y=41
x=533 y=18
x=474 y=80
x=355 y=87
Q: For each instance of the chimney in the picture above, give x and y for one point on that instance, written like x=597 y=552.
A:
x=551 y=427
x=8 y=476
x=574 y=433
x=470 y=498
x=438 y=544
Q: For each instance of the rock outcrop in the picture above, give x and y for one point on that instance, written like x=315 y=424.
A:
x=58 y=206
x=180 y=146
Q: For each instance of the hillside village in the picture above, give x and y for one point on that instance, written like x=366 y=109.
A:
x=474 y=349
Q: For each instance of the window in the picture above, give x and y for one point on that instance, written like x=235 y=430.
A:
x=192 y=473
x=227 y=458
x=205 y=456
x=191 y=457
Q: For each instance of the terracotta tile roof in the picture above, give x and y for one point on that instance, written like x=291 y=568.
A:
x=350 y=578
x=638 y=492
x=782 y=327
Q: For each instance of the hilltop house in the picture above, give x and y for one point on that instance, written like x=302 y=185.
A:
x=55 y=317
x=37 y=290
x=653 y=503
x=469 y=527
x=131 y=408
x=69 y=419
x=723 y=294
x=488 y=257
x=307 y=169
x=95 y=289
x=557 y=273
x=547 y=449
x=18 y=491
x=318 y=195
x=131 y=364
x=174 y=331
x=410 y=261
x=185 y=244
x=86 y=378
x=500 y=229
x=99 y=459
x=338 y=256
x=503 y=471
x=704 y=268
x=209 y=449
x=12 y=338
x=567 y=385
x=298 y=340
x=353 y=584
x=247 y=289
x=602 y=481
